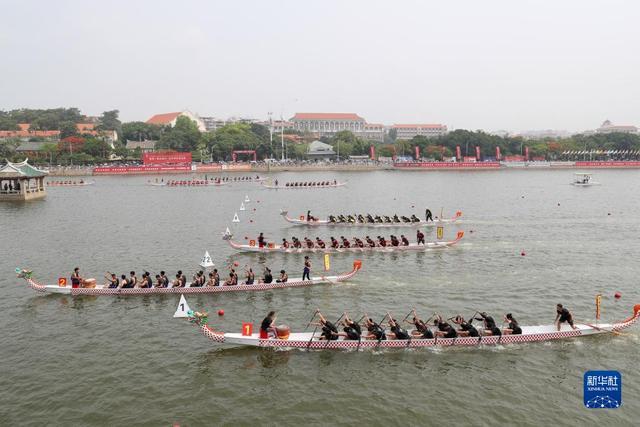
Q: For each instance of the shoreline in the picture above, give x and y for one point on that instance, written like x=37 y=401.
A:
x=403 y=167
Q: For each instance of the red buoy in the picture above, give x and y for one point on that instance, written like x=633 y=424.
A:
x=522 y=253
x=220 y=312
x=246 y=238
x=236 y=263
x=617 y=295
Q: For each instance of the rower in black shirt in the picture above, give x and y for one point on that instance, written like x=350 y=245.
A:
x=445 y=330
x=370 y=242
x=405 y=241
x=513 y=327
x=489 y=324
x=396 y=330
x=329 y=330
x=351 y=329
x=422 y=330
x=375 y=330
x=466 y=328
x=345 y=242
x=420 y=237
x=334 y=243
x=320 y=243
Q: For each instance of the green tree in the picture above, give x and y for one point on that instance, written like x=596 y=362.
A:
x=97 y=148
x=50 y=150
x=109 y=121
x=184 y=136
x=67 y=129
x=138 y=131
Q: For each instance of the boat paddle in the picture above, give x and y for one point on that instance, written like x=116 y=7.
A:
x=315 y=313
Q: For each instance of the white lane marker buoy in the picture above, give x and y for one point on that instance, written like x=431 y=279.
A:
x=246 y=199
x=183 y=308
x=235 y=217
x=206 y=260
x=241 y=206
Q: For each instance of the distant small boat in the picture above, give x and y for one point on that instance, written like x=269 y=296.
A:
x=584 y=180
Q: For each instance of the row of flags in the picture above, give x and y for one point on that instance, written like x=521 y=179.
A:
x=609 y=152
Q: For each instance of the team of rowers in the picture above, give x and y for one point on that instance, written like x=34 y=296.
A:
x=369 y=219
x=368 y=242
x=81 y=182
x=199 y=279
x=193 y=182
x=434 y=327
x=308 y=183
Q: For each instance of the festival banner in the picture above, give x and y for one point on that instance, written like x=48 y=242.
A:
x=166 y=157
x=477 y=152
x=417 y=152
x=327 y=262
x=131 y=170
x=440 y=232
x=526 y=154
x=458 y=153
x=598 y=301
x=497 y=153
x=372 y=152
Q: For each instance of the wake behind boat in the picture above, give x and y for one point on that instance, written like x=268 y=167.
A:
x=27 y=275
x=344 y=247
x=314 y=340
x=375 y=221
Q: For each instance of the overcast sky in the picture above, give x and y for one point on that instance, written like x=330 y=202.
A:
x=514 y=65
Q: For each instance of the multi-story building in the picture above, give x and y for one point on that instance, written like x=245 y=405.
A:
x=608 y=127
x=408 y=131
x=373 y=132
x=328 y=124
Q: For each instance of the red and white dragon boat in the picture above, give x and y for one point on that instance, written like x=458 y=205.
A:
x=311 y=340
x=273 y=247
x=69 y=183
x=302 y=187
x=189 y=183
x=100 y=290
x=302 y=220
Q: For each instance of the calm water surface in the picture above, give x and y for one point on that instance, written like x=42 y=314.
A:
x=125 y=361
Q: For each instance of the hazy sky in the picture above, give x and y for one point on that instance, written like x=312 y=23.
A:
x=490 y=65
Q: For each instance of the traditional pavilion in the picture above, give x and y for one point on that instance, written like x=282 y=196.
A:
x=21 y=181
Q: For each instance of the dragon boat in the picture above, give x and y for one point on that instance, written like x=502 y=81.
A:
x=302 y=220
x=272 y=247
x=302 y=187
x=69 y=183
x=311 y=340
x=258 y=286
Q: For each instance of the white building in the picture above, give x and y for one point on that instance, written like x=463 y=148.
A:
x=373 y=132
x=169 y=119
x=408 y=131
x=608 y=127
x=328 y=124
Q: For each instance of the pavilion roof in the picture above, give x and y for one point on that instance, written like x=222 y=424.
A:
x=20 y=170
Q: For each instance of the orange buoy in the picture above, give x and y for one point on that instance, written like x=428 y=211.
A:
x=617 y=295
x=220 y=312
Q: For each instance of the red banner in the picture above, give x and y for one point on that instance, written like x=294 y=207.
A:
x=458 y=153
x=166 y=157
x=477 y=153
x=526 y=154
x=514 y=158
x=417 y=152
x=447 y=165
x=372 y=152
x=497 y=153
x=131 y=170
x=209 y=168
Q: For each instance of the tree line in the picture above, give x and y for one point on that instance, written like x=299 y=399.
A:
x=219 y=144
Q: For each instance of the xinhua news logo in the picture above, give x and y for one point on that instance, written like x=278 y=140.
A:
x=602 y=389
